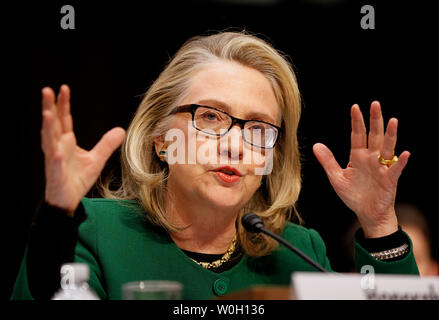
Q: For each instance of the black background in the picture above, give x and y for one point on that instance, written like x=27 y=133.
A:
x=118 y=48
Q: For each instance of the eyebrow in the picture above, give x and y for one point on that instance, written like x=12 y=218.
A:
x=254 y=115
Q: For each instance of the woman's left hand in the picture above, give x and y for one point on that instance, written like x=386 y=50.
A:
x=367 y=186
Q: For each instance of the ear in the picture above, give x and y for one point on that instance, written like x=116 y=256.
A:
x=159 y=143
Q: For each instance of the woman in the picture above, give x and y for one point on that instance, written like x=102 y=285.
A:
x=214 y=137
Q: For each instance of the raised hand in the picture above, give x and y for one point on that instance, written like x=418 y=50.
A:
x=367 y=186
x=70 y=170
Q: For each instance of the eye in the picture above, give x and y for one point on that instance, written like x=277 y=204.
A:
x=257 y=128
x=210 y=116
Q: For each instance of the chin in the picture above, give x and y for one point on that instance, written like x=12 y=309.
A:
x=224 y=197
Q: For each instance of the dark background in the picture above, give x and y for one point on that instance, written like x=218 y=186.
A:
x=119 y=48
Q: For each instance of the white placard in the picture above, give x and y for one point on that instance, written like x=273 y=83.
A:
x=369 y=286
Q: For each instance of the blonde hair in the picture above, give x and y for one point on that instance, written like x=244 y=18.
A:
x=144 y=175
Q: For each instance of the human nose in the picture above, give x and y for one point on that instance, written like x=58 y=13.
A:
x=230 y=145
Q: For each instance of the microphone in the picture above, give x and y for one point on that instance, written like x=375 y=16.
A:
x=253 y=223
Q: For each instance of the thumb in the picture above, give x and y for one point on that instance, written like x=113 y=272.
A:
x=109 y=142
x=326 y=159
x=396 y=169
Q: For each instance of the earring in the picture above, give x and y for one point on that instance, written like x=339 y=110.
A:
x=163 y=155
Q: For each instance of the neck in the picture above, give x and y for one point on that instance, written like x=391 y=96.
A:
x=207 y=229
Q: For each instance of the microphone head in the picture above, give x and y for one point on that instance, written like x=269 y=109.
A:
x=252 y=222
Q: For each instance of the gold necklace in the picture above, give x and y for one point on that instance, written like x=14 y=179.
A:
x=224 y=258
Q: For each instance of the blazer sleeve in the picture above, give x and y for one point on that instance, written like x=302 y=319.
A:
x=406 y=265
x=56 y=239
x=51 y=243
x=21 y=287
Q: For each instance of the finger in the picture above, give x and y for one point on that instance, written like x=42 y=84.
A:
x=48 y=103
x=49 y=136
x=396 y=169
x=64 y=109
x=48 y=99
x=327 y=160
x=376 y=130
x=108 y=143
x=358 y=134
x=389 y=142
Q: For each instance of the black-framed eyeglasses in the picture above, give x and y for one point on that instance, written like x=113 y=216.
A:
x=214 y=121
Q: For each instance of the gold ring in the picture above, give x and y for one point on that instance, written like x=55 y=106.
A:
x=387 y=162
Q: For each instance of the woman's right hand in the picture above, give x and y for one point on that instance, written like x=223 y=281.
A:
x=70 y=170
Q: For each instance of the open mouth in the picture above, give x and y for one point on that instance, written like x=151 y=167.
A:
x=229 y=171
x=227 y=174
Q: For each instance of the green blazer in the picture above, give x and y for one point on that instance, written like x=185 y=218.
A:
x=120 y=246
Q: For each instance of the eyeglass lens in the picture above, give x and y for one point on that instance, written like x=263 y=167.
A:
x=215 y=122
